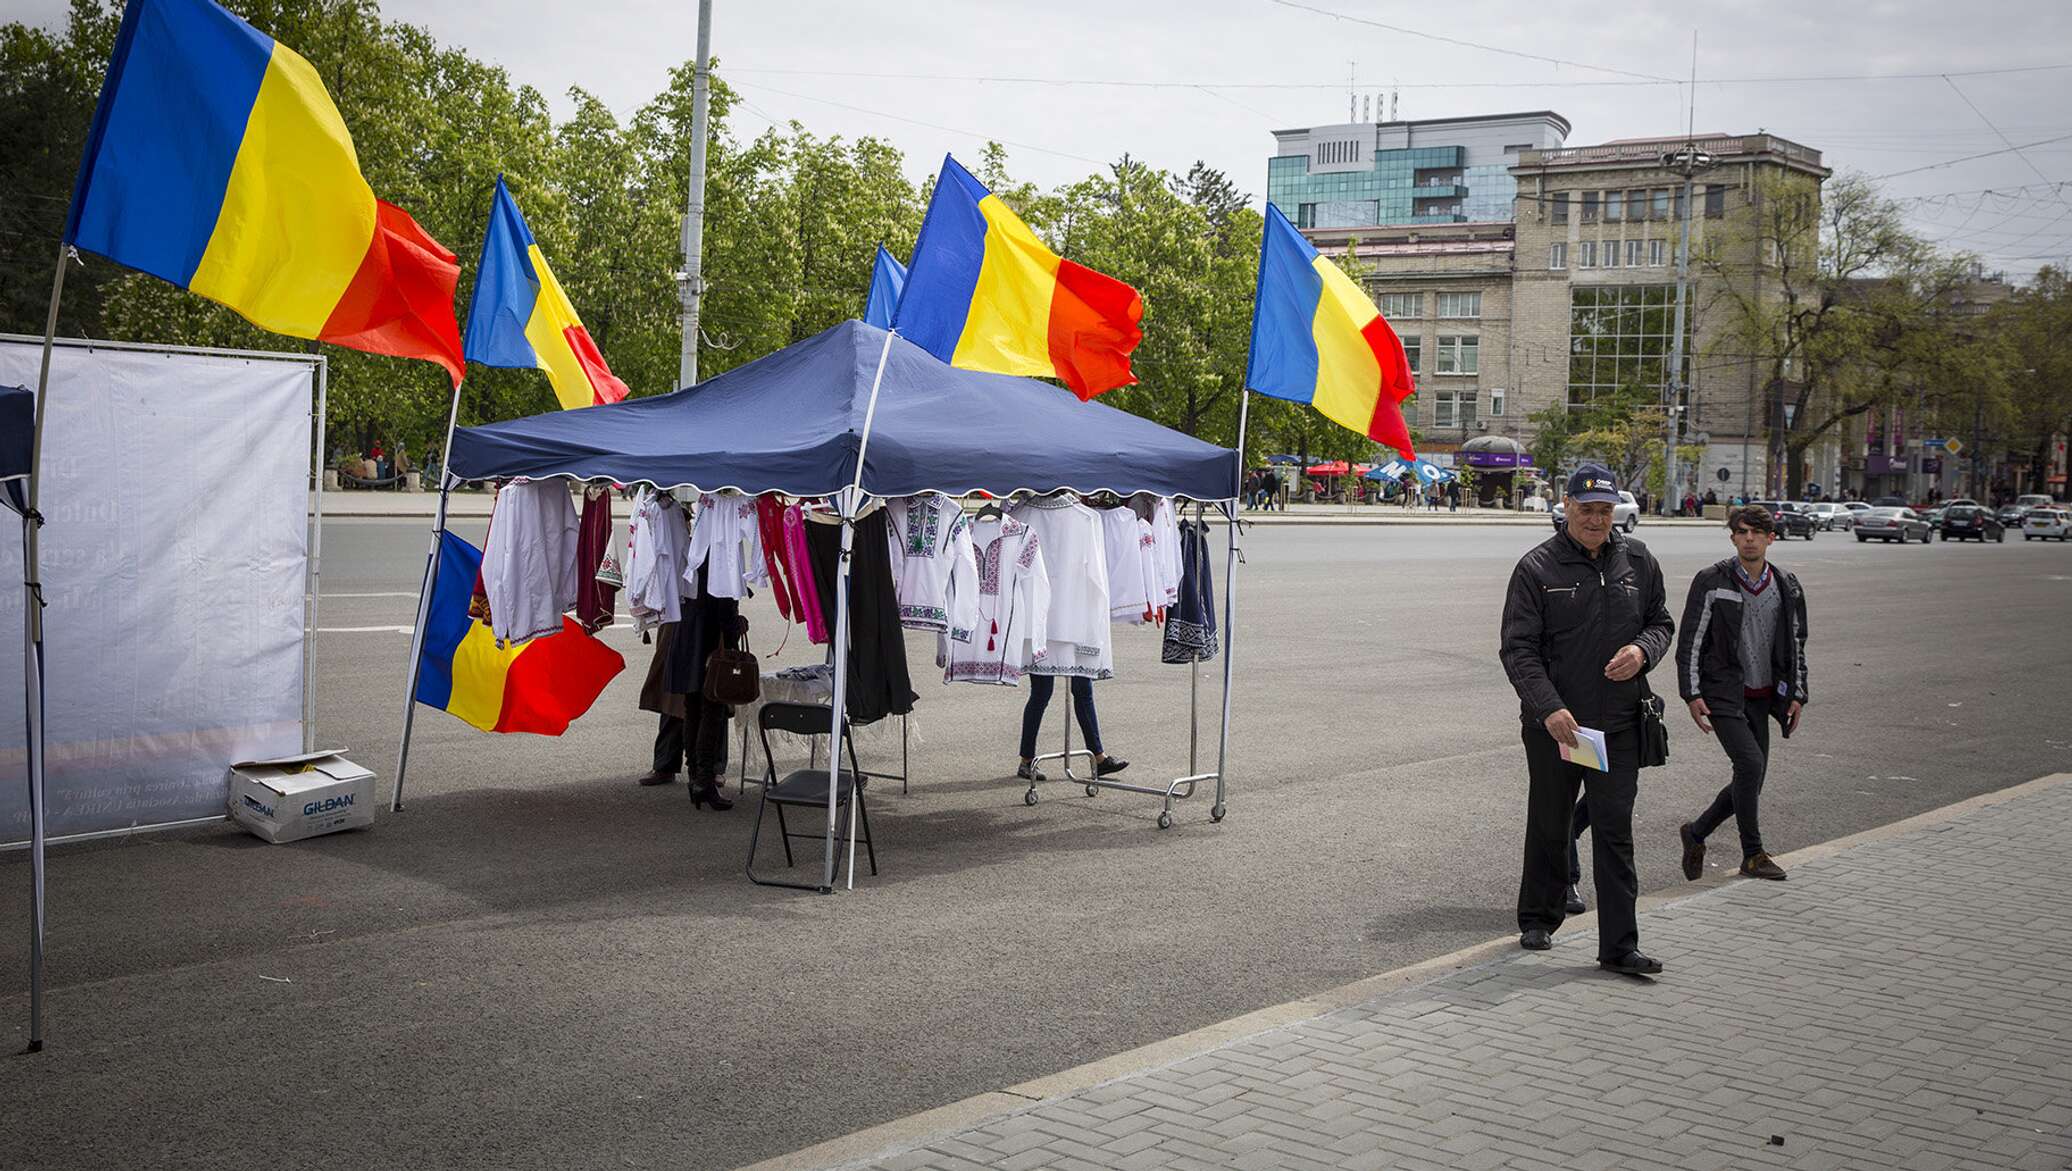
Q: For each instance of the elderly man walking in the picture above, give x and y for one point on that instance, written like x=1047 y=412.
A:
x=1584 y=619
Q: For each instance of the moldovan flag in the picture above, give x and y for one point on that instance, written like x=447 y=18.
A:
x=520 y=317
x=217 y=161
x=983 y=293
x=540 y=685
x=1317 y=339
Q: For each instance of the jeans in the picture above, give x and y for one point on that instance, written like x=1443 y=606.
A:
x=1040 y=689
x=1747 y=740
x=1550 y=810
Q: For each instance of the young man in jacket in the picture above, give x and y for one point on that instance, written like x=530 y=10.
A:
x=1584 y=619
x=1741 y=663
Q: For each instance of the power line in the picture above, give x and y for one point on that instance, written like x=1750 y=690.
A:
x=1411 y=32
x=1968 y=158
x=931 y=125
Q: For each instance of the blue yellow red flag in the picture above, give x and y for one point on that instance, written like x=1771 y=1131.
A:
x=888 y=277
x=521 y=317
x=540 y=685
x=983 y=293
x=1317 y=339
x=217 y=161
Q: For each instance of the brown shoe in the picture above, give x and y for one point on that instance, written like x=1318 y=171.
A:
x=657 y=778
x=1760 y=866
x=1693 y=852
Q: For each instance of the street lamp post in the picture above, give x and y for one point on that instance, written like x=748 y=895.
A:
x=1688 y=160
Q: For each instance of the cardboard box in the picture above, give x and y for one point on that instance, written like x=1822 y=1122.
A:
x=299 y=797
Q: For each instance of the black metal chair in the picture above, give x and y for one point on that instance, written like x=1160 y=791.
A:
x=807 y=788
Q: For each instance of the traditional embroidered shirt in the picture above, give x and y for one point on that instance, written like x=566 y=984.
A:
x=934 y=565
x=1165 y=550
x=529 y=560
x=727 y=540
x=1077 y=618
x=1011 y=607
x=1125 y=543
x=655 y=543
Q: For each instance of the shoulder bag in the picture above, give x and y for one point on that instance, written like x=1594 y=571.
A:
x=732 y=676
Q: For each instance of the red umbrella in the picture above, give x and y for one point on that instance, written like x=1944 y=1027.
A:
x=1336 y=467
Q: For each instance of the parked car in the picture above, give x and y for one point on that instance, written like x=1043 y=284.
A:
x=2047 y=522
x=1890 y=502
x=1856 y=507
x=2012 y=514
x=1891 y=523
x=1969 y=522
x=1791 y=521
x=1934 y=517
x=2034 y=500
x=1625 y=514
x=1831 y=516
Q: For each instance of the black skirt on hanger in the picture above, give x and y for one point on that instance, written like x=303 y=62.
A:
x=878 y=682
x=1190 y=630
x=708 y=624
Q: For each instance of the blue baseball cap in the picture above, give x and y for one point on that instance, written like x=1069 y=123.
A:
x=1593 y=483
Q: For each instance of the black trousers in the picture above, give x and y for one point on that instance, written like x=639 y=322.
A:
x=1747 y=740
x=1550 y=803
x=697 y=743
x=1041 y=688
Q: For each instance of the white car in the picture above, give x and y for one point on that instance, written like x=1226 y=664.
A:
x=1831 y=516
x=1625 y=514
x=2047 y=522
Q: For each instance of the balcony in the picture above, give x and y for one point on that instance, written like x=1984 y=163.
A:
x=1439 y=191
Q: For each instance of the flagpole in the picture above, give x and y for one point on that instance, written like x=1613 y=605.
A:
x=32 y=647
x=424 y=600
x=1244 y=409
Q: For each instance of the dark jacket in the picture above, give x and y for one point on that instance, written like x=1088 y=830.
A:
x=1566 y=614
x=1708 y=656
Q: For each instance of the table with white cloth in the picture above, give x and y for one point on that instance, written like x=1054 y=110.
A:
x=814 y=684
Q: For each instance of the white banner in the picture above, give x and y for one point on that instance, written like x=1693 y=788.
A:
x=174 y=563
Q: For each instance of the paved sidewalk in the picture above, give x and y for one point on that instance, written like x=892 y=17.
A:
x=1901 y=1002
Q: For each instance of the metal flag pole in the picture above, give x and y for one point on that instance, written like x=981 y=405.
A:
x=424 y=600
x=1231 y=514
x=32 y=657
x=851 y=502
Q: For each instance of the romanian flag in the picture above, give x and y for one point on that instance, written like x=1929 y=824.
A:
x=888 y=277
x=1317 y=339
x=216 y=161
x=520 y=316
x=536 y=686
x=983 y=293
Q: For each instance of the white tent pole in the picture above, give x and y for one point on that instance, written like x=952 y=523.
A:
x=32 y=656
x=315 y=575
x=851 y=504
x=1231 y=514
x=424 y=600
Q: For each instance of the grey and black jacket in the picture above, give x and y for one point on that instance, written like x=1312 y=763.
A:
x=1708 y=655
x=1565 y=616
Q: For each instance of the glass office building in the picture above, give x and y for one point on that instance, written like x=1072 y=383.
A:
x=1443 y=171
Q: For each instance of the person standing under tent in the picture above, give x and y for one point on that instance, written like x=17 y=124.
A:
x=1078 y=645
x=1584 y=618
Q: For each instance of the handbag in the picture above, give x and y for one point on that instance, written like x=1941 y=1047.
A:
x=732 y=676
x=1654 y=733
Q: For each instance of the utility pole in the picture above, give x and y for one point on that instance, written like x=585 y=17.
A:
x=1688 y=160
x=691 y=280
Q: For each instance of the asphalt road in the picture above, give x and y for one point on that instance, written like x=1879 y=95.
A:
x=540 y=964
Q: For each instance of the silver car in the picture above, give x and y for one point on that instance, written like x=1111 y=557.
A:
x=1830 y=516
x=1625 y=514
x=1891 y=524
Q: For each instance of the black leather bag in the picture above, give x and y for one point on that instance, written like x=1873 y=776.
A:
x=732 y=677
x=1654 y=733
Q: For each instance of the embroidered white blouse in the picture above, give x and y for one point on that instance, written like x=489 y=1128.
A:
x=1130 y=585
x=1011 y=603
x=655 y=543
x=1077 y=620
x=529 y=560
x=727 y=540
x=934 y=564
x=1165 y=550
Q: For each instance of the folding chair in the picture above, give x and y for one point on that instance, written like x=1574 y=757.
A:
x=807 y=787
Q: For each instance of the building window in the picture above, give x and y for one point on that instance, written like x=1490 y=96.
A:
x=1633 y=248
x=1614 y=206
x=1467 y=407
x=1409 y=408
x=1557 y=256
x=1589 y=207
x=1661 y=202
x=1460 y=305
x=1715 y=201
x=1306 y=215
x=1459 y=354
x=1442 y=409
x=1496 y=402
x=1680 y=200
x=1586 y=254
x=1655 y=250
x=1402 y=306
x=1637 y=204
x=1619 y=337
x=1413 y=350
x=1610 y=256
x=1561 y=208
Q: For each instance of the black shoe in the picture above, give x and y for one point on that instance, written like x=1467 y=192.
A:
x=1632 y=964
x=707 y=791
x=1028 y=771
x=1111 y=764
x=1760 y=866
x=1574 y=905
x=658 y=777
x=1536 y=939
x=1693 y=852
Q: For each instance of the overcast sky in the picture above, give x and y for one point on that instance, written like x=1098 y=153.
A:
x=1234 y=70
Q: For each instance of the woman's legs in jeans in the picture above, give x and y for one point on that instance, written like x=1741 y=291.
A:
x=1040 y=689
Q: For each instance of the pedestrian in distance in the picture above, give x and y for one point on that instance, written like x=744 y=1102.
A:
x=1584 y=619
x=1740 y=664
x=1453 y=496
x=1270 y=488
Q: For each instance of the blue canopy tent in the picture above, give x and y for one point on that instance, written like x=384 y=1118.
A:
x=852 y=413
x=17 y=469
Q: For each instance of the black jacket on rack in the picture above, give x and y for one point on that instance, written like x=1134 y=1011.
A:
x=708 y=624
x=879 y=685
